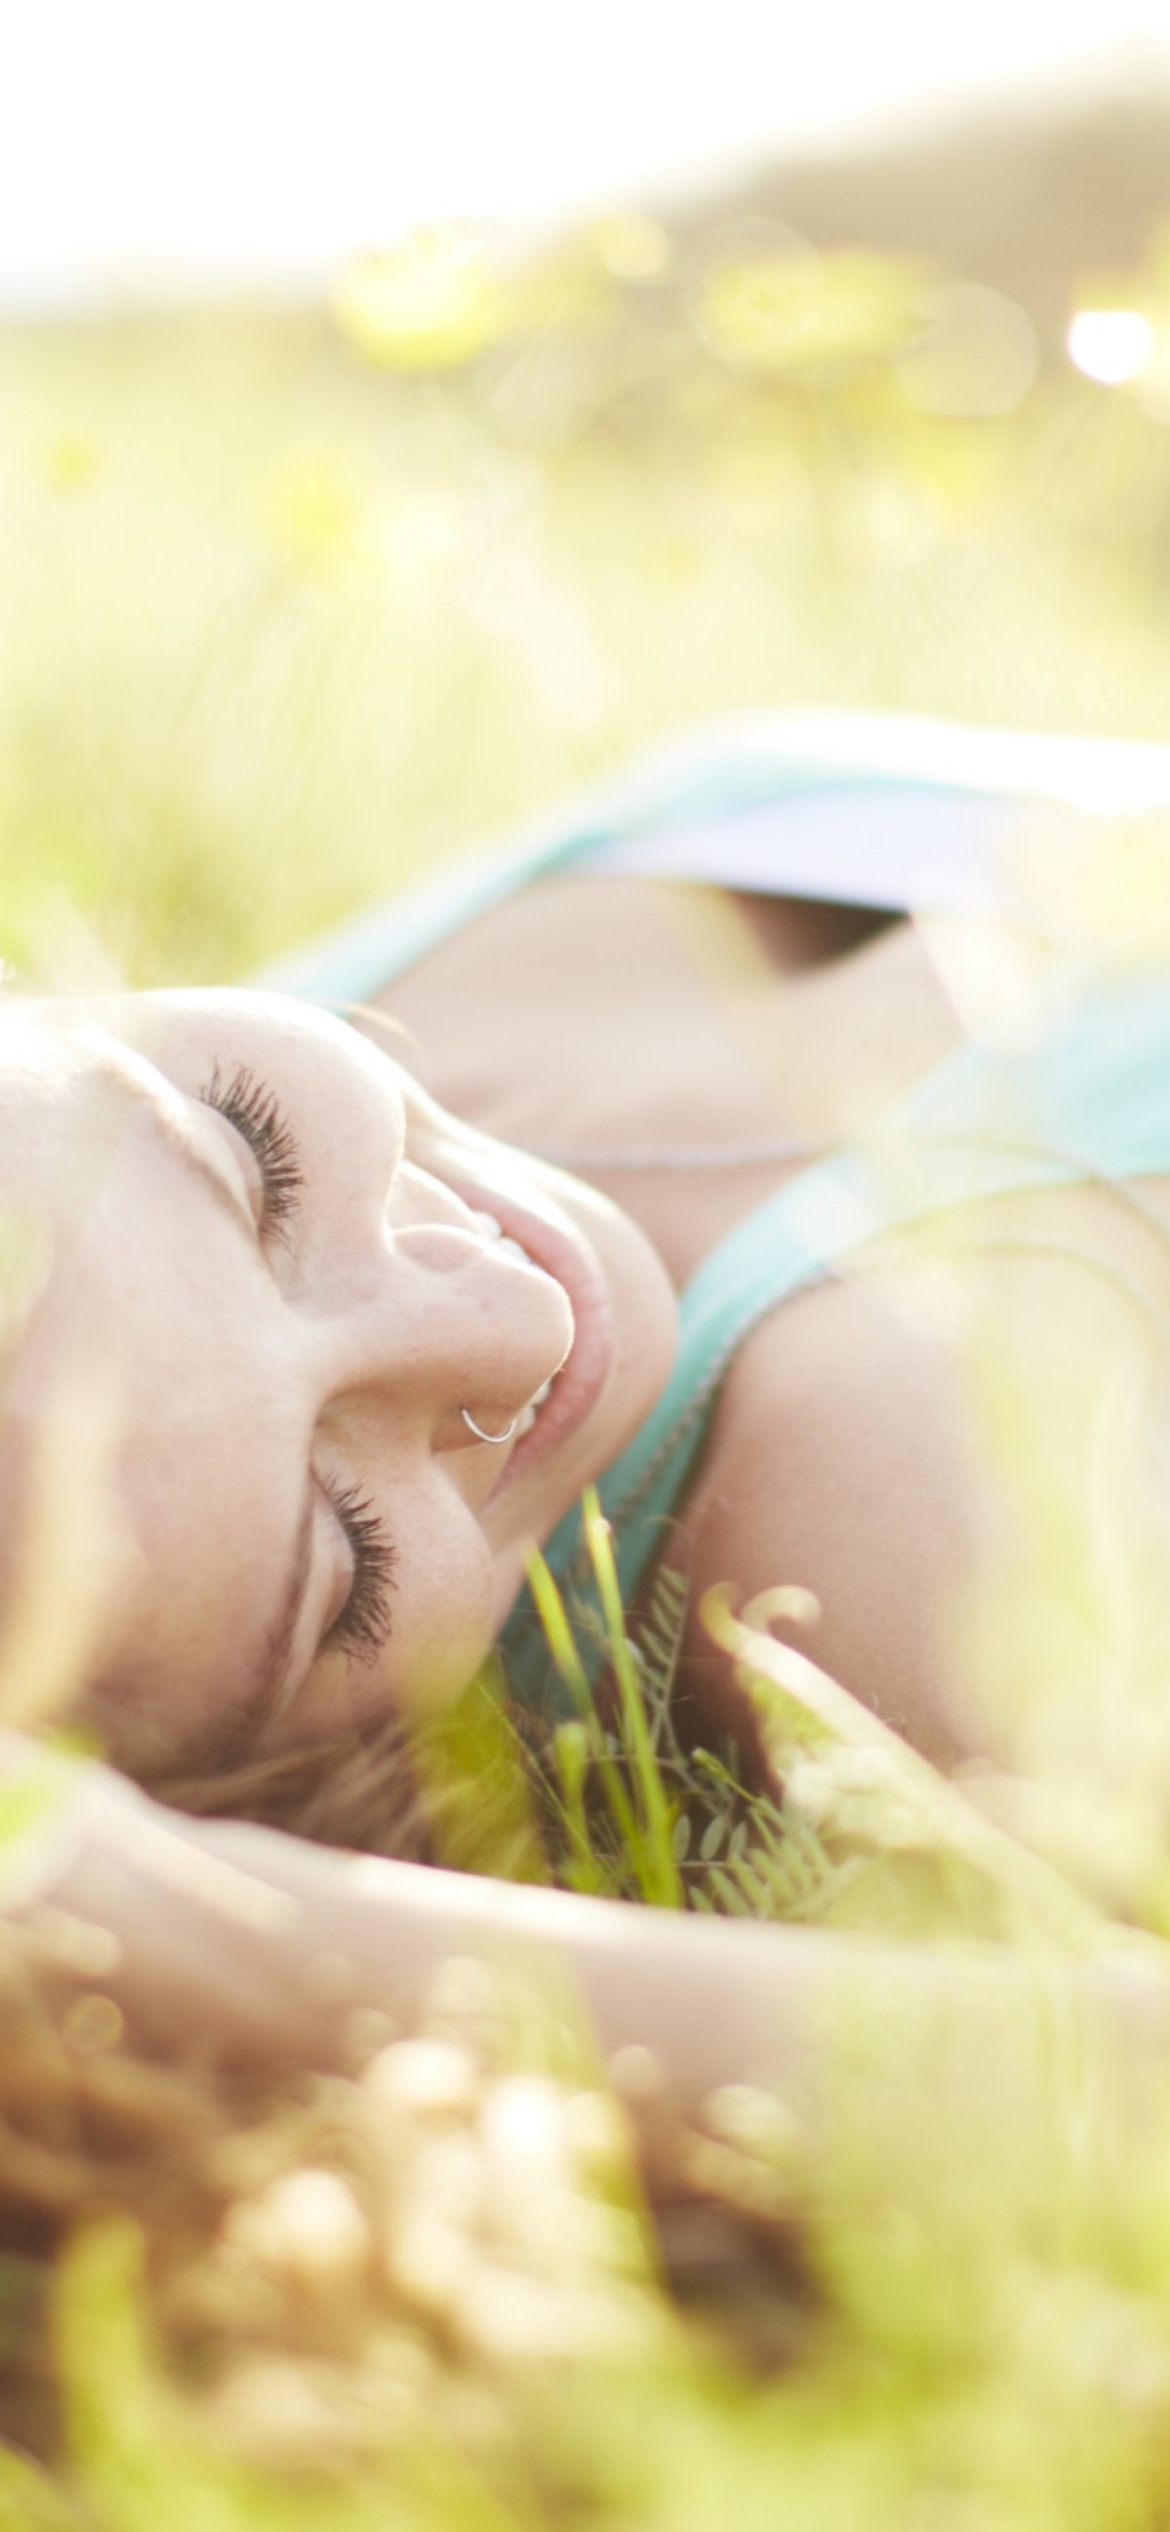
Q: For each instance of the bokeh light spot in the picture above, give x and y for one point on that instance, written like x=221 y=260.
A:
x=766 y=302
x=431 y=303
x=1111 y=345
x=632 y=246
x=978 y=352
x=71 y=462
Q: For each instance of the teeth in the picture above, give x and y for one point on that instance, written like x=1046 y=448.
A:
x=532 y=1410
x=493 y=1230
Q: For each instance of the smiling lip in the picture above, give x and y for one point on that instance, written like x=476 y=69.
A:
x=579 y=1383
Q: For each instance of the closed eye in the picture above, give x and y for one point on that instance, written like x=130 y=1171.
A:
x=257 y=1115
x=363 y=1626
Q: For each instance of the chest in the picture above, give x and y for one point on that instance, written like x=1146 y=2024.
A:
x=621 y=1027
x=867 y=1441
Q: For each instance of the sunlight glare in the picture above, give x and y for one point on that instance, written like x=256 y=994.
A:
x=1111 y=345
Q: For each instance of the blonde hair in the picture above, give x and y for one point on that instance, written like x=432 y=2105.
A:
x=356 y=1789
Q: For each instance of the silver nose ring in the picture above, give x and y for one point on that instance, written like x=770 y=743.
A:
x=478 y=1430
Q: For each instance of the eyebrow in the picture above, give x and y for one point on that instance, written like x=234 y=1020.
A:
x=180 y=1139
x=173 y=1126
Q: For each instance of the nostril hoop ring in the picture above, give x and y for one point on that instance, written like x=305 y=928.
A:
x=478 y=1430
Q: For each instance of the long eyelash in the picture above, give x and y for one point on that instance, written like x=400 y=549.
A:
x=256 y=1113
x=364 y=1623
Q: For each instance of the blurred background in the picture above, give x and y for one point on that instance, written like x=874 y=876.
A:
x=405 y=415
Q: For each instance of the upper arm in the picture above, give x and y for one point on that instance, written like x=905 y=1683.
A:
x=837 y=1461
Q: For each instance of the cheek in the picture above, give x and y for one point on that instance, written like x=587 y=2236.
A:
x=441 y=1623
x=211 y=1529
x=441 y=1594
x=441 y=1634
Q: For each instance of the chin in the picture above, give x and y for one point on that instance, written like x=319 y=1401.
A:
x=645 y=1341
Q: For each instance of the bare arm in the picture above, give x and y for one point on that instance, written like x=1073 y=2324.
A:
x=834 y=1462
x=258 y=1946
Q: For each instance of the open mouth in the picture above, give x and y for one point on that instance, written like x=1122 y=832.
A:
x=570 y=1393
x=508 y=1246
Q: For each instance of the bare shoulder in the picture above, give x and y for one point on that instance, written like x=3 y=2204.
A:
x=838 y=1460
x=909 y=1464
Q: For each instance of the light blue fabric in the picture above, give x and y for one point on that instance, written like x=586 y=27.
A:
x=1091 y=1098
x=695 y=810
x=652 y=819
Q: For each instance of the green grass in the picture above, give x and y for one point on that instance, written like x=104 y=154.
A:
x=280 y=628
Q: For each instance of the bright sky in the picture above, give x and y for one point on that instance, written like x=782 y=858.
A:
x=155 y=141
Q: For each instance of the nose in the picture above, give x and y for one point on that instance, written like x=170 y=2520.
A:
x=449 y=1316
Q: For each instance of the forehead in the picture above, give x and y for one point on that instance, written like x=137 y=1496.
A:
x=50 y=1046
x=77 y=1078
x=146 y=1405
x=193 y=1026
x=68 y=1099
x=71 y=1088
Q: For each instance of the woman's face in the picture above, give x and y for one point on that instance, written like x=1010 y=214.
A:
x=298 y=1271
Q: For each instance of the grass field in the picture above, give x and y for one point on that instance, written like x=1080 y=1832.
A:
x=295 y=604
x=281 y=624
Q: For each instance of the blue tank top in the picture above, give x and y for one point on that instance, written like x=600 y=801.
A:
x=910 y=816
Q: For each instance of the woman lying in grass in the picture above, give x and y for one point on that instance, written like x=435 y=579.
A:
x=347 y=1360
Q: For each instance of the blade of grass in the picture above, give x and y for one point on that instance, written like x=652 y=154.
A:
x=585 y=1869
x=662 y=1883
x=559 y=1637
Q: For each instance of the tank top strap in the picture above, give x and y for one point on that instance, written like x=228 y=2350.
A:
x=867 y=808
x=770 y=805
x=1088 y=1100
